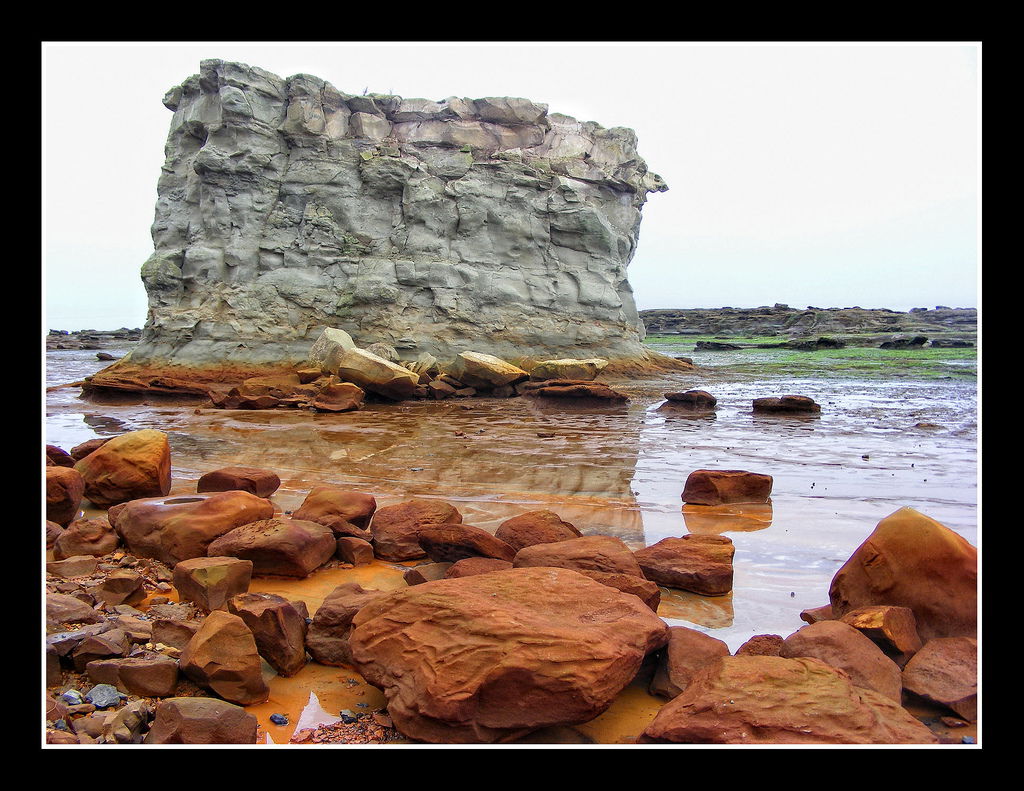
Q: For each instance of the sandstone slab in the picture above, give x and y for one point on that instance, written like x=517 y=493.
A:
x=892 y=629
x=93 y=537
x=774 y=700
x=449 y=543
x=283 y=547
x=254 y=480
x=697 y=563
x=201 y=721
x=591 y=553
x=330 y=505
x=717 y=487
x=567 y=368
x=172 y=529
x=493 y=656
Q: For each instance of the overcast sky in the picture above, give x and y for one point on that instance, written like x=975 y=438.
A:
x=829 y=175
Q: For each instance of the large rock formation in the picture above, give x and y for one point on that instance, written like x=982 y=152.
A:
x=286 y=206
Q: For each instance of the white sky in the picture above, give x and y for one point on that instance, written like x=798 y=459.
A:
x=829 y=175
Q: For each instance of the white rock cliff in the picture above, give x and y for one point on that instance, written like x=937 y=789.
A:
x=286 y=206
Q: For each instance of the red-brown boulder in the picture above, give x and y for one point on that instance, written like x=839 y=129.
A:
x=59 y=456
x=494 y=656
x=697 y=563
x=687 y=652
x=86 y=537
x=122 y=586
x=343 y=397
x=467 y=567
x=327 y=639
x=278 y=628
x=211 y=581
x=336 y=508
x=786 y=405
x=427 y=572
x=52 y=533
x=761 y=645
x=262 y=483
x=201 y=721
x=535 y=527
x=130 y=466
x=223 y=657
x=396 y=528
x=815 y=614
x=356 y=551
x=841 y=646
x=449 y=543
x=281 y=547
x=717 y=487
x=79 y=452
x=590 y=553
x=648 y=592
x=892 y=629
x=172 y=529
x=64 y=491
x=945 y=671
x=572 y=389
x=151 y=677
x=773 y=700
x=913 y=561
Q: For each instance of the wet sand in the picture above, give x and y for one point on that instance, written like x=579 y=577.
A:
x=609 y=470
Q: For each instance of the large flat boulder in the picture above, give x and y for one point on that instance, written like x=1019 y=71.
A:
x=567 y=368
x=130 y=466
x=494 y=656
x=774 y=700
x=376 y=374
x=449 y=543
x=254 y=480
x=336 y=507
x=201 y=721
x=281 y=547
x=910 y=560
x=485 y=371
x=172 y=529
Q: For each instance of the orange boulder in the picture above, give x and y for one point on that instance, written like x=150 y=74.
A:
x=129 y=466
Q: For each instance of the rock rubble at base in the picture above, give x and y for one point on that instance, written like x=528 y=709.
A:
x=117 y=675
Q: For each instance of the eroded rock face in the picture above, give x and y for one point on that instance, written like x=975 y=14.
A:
x=434 y=227
x=773 y=700
x=492 y=656
x=910 y=560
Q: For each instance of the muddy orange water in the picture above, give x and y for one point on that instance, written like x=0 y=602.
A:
x=609 y=470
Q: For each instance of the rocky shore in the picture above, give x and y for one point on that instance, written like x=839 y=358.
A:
x=160 y=627
x=91 y=339
x=794 y=326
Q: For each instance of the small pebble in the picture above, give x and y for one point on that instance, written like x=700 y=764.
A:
x=363 y=705
x=347 y=716
x=279 y=719
x=968 y=740
x=60 y=725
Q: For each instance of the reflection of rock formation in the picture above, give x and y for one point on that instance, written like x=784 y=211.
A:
x=487 y=459
x=718 y=519
x=286 y=205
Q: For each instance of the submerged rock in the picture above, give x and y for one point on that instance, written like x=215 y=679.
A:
x=697 y=563
x=254 y=480
x=717 y=487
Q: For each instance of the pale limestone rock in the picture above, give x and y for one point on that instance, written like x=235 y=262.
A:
x=579 y=370
x=286 y=206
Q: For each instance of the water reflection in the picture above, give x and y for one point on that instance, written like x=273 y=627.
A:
x=718 y=519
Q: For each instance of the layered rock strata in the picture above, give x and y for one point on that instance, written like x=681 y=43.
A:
x=286 y=206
